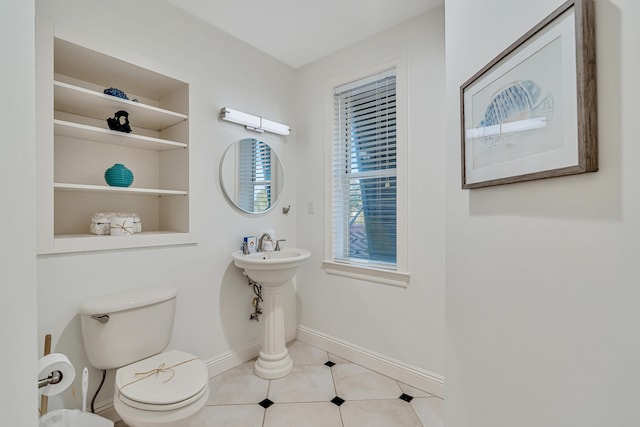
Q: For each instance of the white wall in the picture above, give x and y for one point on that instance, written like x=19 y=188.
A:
x=402 y=324
x=214 y=301
x=18 y=316
x=542 y=298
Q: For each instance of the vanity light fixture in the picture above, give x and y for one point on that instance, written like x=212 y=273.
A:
x=254 y=123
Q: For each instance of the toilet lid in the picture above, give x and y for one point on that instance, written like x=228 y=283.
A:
x=163 y=382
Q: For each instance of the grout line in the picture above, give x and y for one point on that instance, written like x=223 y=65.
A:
x=335 y=389
x=409 y=403
x=416 y=414
x=264 y=415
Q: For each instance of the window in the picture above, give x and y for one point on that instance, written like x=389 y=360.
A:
x=254 y=171
x=365 y=203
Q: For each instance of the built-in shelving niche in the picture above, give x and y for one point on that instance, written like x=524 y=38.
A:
x=75 y=154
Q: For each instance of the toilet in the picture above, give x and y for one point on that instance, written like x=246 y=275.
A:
x=129 y=332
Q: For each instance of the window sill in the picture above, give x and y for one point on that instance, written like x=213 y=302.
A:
x=386 y=277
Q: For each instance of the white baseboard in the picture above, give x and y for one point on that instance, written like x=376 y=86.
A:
x=415 y=377
x=231 y=359
x=106 y=410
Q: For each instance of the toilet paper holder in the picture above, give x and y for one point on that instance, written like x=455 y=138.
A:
x=55 y=374
x=54 y=378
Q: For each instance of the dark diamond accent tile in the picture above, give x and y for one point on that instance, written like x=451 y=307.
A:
x=329 y=363
x=337 y=401
x=406 y=397
x=265 y=403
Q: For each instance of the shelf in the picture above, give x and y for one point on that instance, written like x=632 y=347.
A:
x=75 y=144
x=91 y=242
x=84 y=102
x=123 y=190
x=107 y=136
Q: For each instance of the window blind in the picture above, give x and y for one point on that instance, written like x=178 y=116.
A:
x=364 y=171
x=254 y=167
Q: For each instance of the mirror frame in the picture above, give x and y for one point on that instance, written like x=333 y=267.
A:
x=280 y=177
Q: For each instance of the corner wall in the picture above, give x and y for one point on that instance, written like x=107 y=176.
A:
x=214 y=301
x=18 y=315
x=542 y=292
x=406 y=325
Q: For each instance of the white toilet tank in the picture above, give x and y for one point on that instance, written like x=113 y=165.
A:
x=123 y=328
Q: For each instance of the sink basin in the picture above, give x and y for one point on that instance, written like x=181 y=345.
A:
x=271 y=268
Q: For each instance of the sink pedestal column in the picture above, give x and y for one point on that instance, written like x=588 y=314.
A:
x=274 y=360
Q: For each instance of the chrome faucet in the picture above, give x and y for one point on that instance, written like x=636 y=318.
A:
x=269 y=239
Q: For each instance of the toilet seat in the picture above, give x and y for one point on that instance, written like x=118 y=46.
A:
x=164 y=382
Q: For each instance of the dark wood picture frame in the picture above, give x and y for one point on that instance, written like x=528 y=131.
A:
x=487 y=128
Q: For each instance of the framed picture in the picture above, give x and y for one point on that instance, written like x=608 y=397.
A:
x=531 y=112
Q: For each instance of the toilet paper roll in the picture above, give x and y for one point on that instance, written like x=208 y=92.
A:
x=52 y=363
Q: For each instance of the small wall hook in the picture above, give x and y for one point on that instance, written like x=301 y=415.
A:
x=285 y=210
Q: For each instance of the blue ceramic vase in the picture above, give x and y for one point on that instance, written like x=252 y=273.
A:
x=118 y=176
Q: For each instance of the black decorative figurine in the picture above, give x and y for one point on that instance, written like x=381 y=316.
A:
x=119 y=122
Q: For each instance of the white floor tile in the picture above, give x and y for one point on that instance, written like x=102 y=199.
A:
x=229 y=416
x=335 y=359
x=307 y=383
x=430 y=411
x=321 y=414
x=378 y=413
x=412 y=391
x=354 y=382
x=306 y=354
x=238 y=385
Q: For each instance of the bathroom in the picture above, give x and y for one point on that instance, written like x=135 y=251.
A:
x=534 y=274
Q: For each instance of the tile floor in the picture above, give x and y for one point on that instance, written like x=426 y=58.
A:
x=322 y=391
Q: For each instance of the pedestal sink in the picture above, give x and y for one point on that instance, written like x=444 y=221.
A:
x=272 y=270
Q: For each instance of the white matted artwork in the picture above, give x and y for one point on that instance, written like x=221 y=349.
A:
x=530 y=113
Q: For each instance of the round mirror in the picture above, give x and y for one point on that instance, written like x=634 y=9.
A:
x=251 y=175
